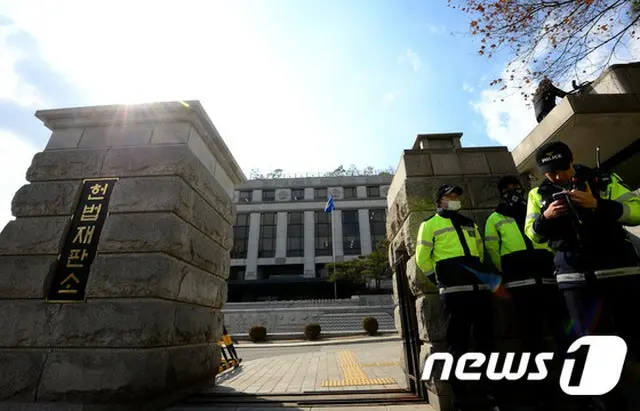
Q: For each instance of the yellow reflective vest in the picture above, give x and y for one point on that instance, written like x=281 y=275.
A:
x=440 y=251
x=513 y=253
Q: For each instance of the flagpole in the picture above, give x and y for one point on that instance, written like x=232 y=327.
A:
x=333 y=252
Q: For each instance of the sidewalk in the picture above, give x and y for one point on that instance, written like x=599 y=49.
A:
x=360 y=367
x=325 y=341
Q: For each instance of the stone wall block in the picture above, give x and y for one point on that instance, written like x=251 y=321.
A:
x=201 y=287
x=205 y=253
x=211 y=223
x=55 y=198
x=145 y=161
x=97 y=323
x=65 y=138
x=39 y=235
x=411 y=227
x=154 y=275
x=120 y=135
x=209 y=188
x=435 y=384
x=483 y=192
x=104 y=376
x=161 y=232
x=135 y=275
x=397 y=320
x=25 y=276
x=418 y=164
x=431 y=323
x=136 y=195
x=191 y=365
x=446 y=164
x=473 y=163
x=501 y=162
x=163 y=160
x=418 y=281
x=78 y=164
x=196 y=325
x=394 y=285
x=171 y=133
x=480 y=217
x=20 y=372
x=440 y=402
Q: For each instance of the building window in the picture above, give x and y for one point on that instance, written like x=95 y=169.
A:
x=246 y=196
x=297 y=194
x=323 y=233
x=268 y=195
x=350 y=232
x=373 y=191
x=320 y=194
x=236 y=273
x=295 y=234
x=268 y=225
x=378 y=225
x=350 y=192
x=240 y=236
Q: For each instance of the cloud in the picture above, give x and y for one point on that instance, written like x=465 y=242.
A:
x=467 y=87
x=412 y=58
x=390 y=97
x=507 y=117
x=17 y=154
x=12 y=85
x=435 y=28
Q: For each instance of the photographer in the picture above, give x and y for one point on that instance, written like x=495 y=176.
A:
x=581 y=213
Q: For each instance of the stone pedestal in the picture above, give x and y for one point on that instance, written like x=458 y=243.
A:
x=148 y=329
x=435 y=160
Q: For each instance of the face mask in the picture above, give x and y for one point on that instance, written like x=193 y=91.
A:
x=515 y=197
x=454 y=205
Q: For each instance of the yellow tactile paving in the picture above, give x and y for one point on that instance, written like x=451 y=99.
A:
x=354 y=375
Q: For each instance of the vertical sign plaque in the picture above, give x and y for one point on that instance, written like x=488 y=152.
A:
x=81 y=245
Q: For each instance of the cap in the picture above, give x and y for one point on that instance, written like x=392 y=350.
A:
x=447 y=189
x=554 y=156
x=506 y=180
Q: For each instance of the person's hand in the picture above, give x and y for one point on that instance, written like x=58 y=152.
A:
x=556 y=209
x=584 y=199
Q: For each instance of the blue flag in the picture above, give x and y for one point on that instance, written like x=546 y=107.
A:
x=329 y=207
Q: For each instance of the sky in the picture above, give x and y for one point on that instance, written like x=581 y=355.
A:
x=302 y=86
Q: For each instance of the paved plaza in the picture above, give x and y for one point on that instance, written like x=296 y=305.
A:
x=331 y=368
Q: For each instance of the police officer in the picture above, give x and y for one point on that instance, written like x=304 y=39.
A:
x=527 y=272
x=581 y=212
x=450 y=251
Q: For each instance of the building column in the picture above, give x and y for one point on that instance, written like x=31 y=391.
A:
x=251 y=272
x=336 y=220
x=361 y=191
x=281 y=235
x=365 y=231
x=309 y=193
x=309 y=245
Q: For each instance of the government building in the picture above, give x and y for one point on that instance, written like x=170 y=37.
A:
x=283 y=238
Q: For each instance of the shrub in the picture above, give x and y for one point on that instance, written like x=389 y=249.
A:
x=258 y=333
x=370 y=325
x=312 y=331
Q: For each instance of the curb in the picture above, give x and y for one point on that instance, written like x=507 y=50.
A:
x=314 y=343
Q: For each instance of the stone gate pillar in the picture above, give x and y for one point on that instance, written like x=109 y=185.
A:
x=437 y=159
x=147 y=328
